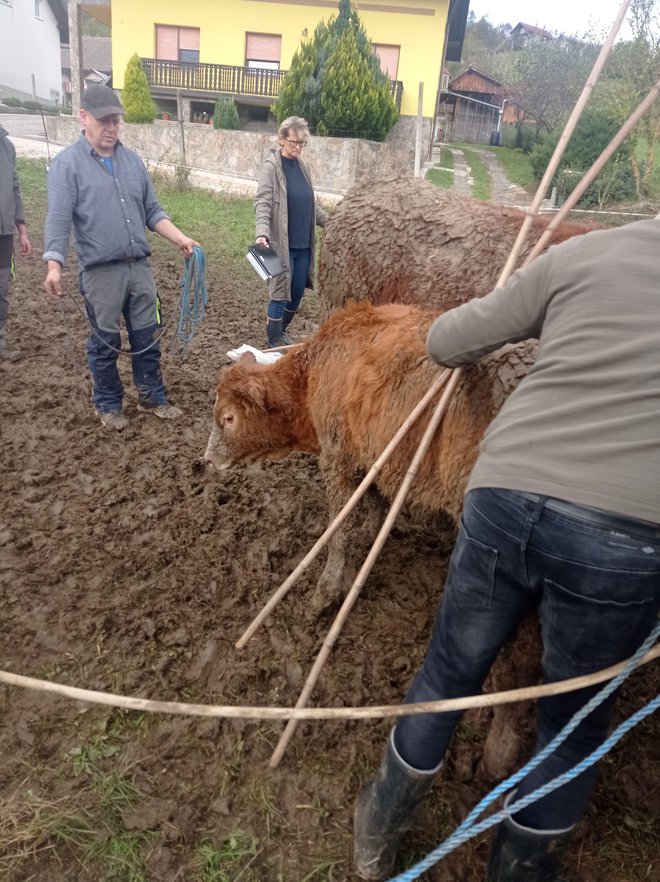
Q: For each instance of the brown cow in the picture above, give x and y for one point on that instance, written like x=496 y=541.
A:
x=343 y=394
x=408 y=241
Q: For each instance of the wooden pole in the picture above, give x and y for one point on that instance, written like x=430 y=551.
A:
x=76 y=56
x=311 y=556
x=418 y=131
x=361 y=578
x=375 y=712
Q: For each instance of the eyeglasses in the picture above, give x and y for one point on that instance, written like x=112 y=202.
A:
x=295 y=143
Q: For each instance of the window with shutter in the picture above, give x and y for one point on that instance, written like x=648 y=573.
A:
x=263 y=50
x=388 y=57
x=177 y=44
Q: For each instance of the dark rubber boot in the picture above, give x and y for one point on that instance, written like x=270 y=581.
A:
x=520 y=854
x=287 y=318
x=384 y=810
x=274 y=333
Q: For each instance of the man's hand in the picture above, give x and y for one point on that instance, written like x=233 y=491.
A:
x=262 y=240
x=186 y=245
x=23 y=241
x=53 y=283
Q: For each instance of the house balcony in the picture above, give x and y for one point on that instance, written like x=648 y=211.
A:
x=210 y=80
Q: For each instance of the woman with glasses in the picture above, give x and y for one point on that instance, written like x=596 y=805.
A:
x=286 y=216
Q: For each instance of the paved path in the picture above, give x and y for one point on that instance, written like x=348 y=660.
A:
x=503 y=191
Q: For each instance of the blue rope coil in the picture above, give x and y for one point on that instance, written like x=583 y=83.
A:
x=193 y=301
x=470 y=828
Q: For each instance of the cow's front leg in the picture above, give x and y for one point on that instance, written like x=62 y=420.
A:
x=342 y=480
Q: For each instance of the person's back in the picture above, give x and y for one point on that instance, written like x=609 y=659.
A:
x=584 y=424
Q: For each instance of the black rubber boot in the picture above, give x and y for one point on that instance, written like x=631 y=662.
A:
x=520 y=854
x=287 y=318
x=274 y=333
x=384 y=810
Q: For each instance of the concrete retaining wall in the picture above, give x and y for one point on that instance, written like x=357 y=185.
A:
x=336 y=163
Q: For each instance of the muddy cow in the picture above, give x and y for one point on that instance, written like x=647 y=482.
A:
x=343 y=394
x=408 y=241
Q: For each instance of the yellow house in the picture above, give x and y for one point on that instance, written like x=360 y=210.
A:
x=242 y=48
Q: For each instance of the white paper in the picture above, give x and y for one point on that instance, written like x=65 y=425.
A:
x=261 y=357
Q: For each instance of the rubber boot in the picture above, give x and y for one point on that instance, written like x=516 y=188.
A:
x=384 y=811
x=287 y=318
x=521 y=854
x=274 y=333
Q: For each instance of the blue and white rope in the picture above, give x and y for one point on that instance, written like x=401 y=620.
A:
x=192 y=303
x=469 y=828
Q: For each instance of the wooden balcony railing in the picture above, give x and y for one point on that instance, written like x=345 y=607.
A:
x=213 y=77
x=224 y=78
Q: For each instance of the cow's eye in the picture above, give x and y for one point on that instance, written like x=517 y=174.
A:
x=229 y=419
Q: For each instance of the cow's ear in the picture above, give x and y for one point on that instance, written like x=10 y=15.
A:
x=247 y=358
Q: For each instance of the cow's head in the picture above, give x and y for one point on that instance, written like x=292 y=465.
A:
x=259 y=411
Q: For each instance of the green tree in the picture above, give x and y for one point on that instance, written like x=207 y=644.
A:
x=353 y=101
x=338 y=64
x=225 y=114
x=547 y=76
x=592 y=134
x=136 y=97
x=633 y=70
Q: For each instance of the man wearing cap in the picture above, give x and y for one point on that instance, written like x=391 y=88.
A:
x=104 y=191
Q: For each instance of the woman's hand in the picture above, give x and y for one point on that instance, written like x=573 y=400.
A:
x=262 y=240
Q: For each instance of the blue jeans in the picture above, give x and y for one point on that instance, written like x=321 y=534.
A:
x=299 y=259
x=595 y=580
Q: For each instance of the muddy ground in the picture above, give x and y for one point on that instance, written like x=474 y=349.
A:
x=123 y=567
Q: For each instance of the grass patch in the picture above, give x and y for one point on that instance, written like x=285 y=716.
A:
x=516 y=164
x=481 y=180
x=443 y=174
x=229 y=861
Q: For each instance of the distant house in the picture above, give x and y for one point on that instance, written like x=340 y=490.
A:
x=522 y=33
x=30 y=37
x=96 y=64
x=473 y=105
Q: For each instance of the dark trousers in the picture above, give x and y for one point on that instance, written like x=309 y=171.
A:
x=112 y=291
x=594 y=579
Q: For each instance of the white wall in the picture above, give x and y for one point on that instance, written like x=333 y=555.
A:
x=29 y=45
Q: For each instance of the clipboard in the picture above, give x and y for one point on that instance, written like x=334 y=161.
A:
x=266 y=261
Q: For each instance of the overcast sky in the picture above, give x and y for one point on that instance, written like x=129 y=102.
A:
x=567 y=16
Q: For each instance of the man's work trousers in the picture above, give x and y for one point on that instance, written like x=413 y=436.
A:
x=110 y=291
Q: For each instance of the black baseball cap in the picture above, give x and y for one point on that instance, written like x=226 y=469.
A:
x=101 y=101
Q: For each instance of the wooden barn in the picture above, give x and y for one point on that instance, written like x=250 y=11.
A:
x=473 y=108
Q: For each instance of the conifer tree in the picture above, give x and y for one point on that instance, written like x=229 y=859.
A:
x=225 y=114
x=336 y=84
x=136 y=96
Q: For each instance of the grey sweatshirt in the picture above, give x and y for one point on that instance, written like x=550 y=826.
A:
x=584 y=424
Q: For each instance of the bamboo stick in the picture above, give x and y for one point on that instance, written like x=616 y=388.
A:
x=361 y=578
x=179 y=708
x=368 y=480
